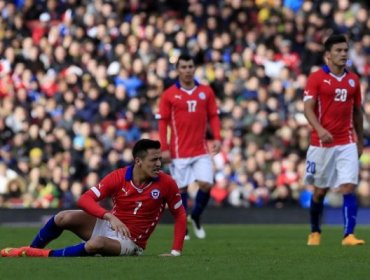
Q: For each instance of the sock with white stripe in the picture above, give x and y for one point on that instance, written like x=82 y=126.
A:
x=349 y=213
x=70 y=251
x=47 y=233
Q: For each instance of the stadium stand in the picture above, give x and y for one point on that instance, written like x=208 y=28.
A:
x=80 y=81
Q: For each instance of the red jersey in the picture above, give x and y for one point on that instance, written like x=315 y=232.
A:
x=187 y=114
x=335 y=99
x=139 y=209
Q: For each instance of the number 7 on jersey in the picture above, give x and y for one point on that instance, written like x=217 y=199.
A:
x=139 y=204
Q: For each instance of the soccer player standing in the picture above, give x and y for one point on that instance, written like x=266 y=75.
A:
x=187 y=107
x=139 y=193
x=332 y=105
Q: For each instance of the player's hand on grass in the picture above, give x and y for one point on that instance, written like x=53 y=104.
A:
x=117 y=225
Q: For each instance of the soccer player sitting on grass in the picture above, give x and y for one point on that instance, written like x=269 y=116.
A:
x=139 y=193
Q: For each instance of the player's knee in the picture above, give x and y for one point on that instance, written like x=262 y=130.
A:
x=347 y=188
x=204 y=186
x=95 y=245
x=319 y=195
x=63 y=219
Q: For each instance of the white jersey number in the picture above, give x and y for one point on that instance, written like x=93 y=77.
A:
x=340 y=95
x=192 y=105
x=139 y=204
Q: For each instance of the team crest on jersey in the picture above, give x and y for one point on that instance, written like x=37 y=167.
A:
x=155 y=193
x=351 y=82
x=202 y=95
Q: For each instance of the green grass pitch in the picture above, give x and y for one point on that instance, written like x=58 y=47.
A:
x=229 y=252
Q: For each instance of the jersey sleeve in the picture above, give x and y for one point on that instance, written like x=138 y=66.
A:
x=176 y=208
x=311 y=89
x=164 y=106
x=106 y=187
x=213 y=117
x=163 y=117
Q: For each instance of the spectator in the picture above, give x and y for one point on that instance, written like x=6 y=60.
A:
x=6 y=176
x=16 y=189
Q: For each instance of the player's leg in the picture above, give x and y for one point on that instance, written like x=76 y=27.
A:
x=76 y=221
x=316 y=211
x=105 y=241
x=348 y=169
x=203 y=172
x=97 y=245
x=180 y=170
x=47 y=233
x=101 y=245
x=320 y=172
x=184 y=198
x=102 y=239
x=201 y=200
x=349 y=215
x=349 y=208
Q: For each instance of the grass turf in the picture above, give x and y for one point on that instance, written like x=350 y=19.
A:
x=229 y=252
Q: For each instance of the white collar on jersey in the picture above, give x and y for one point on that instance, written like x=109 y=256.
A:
x=140 y=190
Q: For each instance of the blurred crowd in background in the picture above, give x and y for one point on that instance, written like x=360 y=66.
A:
x=80 y=82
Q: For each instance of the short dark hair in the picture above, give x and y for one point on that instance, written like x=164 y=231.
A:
x=334 y=39
x=142 y=146
x=185 y=57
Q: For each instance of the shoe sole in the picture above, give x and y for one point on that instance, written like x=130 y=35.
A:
x=357 y=244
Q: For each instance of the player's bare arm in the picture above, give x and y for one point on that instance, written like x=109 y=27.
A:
x=117 y=225
x=359 y=128
x=324 y=135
